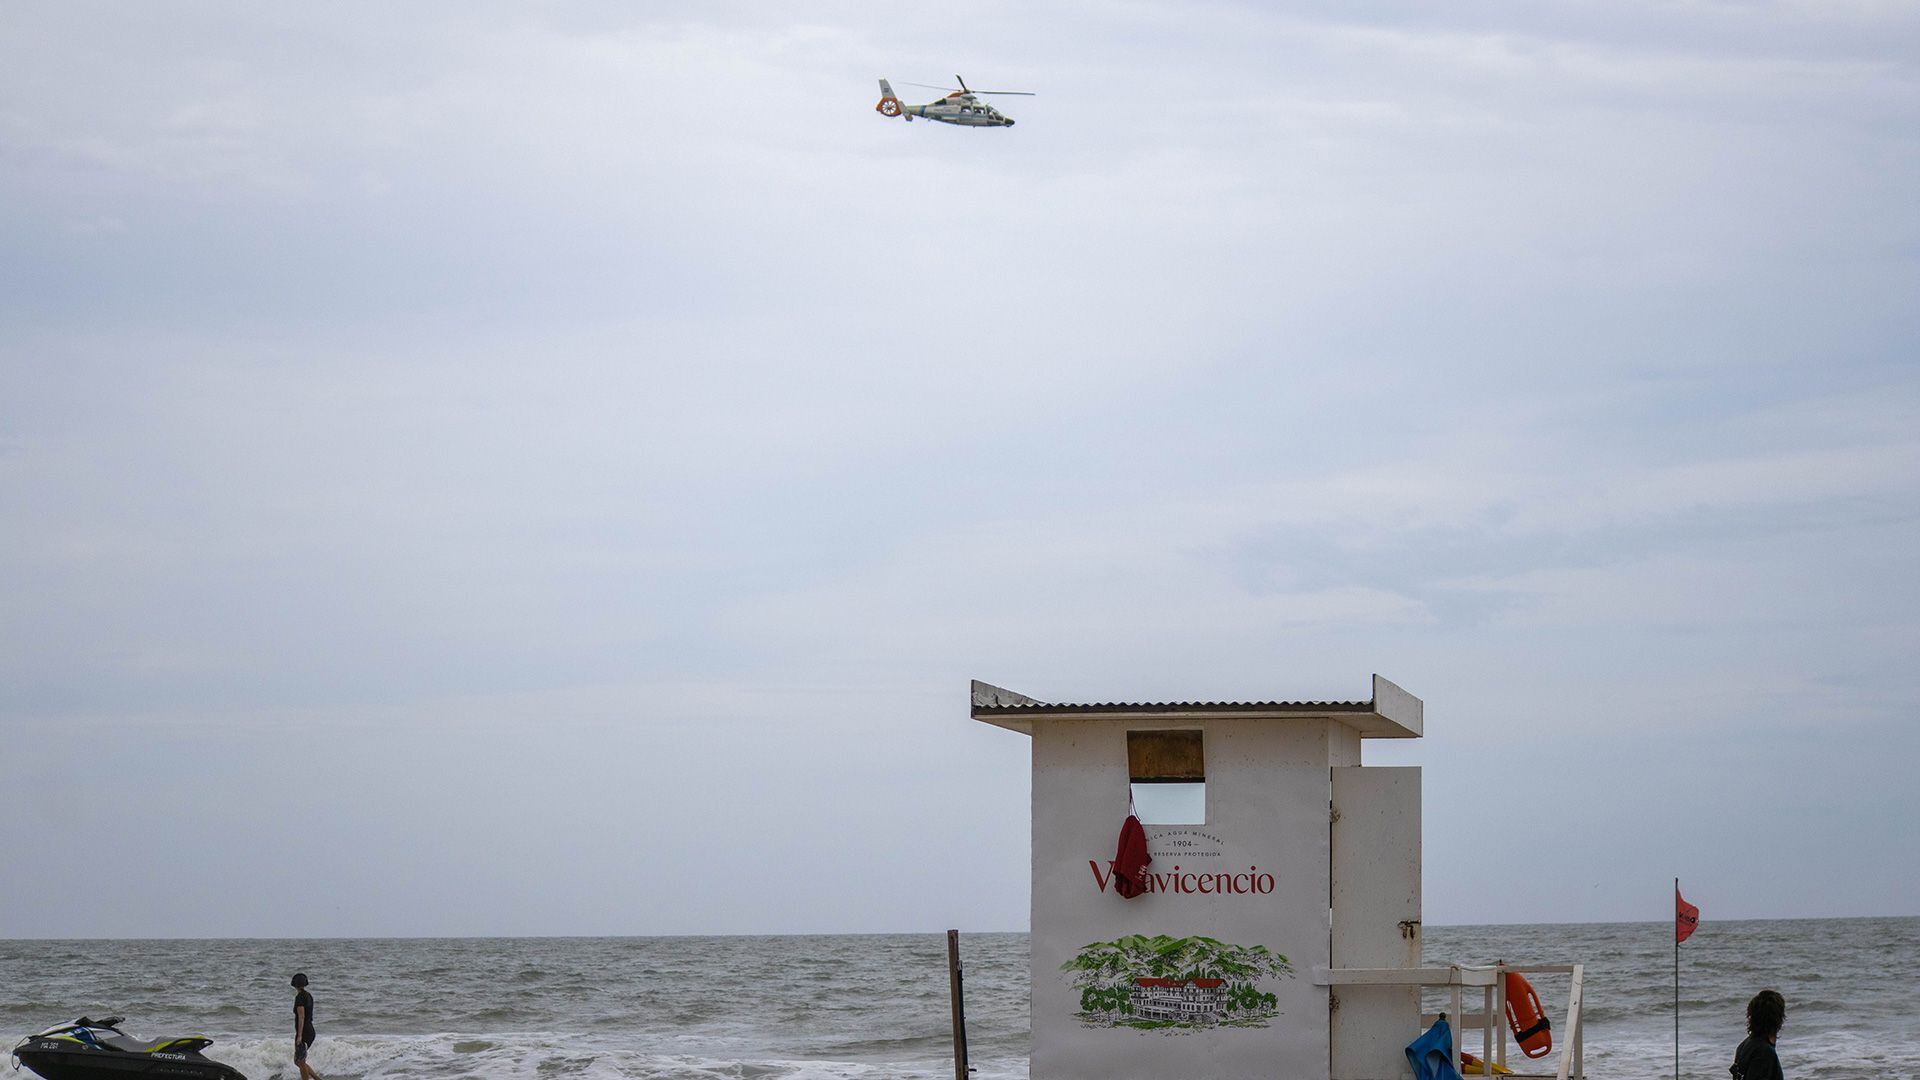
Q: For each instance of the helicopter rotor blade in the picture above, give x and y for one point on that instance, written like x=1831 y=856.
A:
x=968 y=90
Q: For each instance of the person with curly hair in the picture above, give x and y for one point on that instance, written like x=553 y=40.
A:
x=1756 y=1059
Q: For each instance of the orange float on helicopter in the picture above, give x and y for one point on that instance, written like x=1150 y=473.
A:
x=1531 y=1028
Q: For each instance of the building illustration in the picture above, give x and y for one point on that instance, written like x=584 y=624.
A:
x=1180 y=1001
x=1163 y=981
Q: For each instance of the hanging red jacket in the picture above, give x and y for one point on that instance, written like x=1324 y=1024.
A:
x=1131 y=859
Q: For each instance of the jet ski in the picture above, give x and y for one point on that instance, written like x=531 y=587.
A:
x=97 y=1050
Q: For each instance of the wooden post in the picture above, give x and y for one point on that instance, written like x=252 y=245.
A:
x=1458 y=1019
x=1487 y=1019
x=1579 y=1059
x=1500 y=1011
x=954 y=981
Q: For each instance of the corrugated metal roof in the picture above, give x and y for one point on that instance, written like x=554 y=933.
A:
x=1161 y=706
x=990 y=698
x=1392 y=713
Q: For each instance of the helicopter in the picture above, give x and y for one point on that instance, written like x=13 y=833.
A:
x=962 y=106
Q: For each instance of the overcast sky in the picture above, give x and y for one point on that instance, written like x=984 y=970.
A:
x=512 y=469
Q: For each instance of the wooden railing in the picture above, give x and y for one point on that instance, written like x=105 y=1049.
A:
x=1491 y=1020
x=1570 y=1056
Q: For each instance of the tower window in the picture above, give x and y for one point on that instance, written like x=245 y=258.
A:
x=1167 y=770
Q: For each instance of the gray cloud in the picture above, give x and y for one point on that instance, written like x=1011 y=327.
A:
x=571 y=460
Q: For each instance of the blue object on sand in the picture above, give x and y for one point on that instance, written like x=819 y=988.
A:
x=1431 y=1055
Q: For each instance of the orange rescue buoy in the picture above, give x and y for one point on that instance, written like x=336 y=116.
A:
x=1531 y=1029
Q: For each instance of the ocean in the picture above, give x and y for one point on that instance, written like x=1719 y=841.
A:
x=872 y=1006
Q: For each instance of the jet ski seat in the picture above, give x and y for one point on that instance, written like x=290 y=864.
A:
x=172 y=1044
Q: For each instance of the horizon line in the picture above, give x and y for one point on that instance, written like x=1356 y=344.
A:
x=859 y=933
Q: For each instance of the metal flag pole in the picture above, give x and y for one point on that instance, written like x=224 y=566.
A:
x=1676 y=979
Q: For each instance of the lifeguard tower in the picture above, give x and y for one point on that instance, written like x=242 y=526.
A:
x=1278 y=933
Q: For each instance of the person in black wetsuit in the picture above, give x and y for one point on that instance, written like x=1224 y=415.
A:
x=303 y=1033
x=1756 y=1060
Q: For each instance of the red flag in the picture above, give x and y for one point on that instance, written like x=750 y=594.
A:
x=1686 y=918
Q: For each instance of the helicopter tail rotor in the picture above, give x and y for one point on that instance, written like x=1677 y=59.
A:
x=889 y=105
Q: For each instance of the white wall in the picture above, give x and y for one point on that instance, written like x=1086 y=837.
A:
x=1268 y=790
x=1376 y=912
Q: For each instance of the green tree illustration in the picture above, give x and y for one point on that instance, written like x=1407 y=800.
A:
x=1119 y=962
